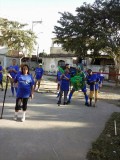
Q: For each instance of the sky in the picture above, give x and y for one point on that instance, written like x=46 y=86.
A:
x=28 y=11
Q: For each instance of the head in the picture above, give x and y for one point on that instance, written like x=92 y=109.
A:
x=14 y=62
x=67 y=66
x=78 y=68
x=25 y=69
x=100 y=70
x=89 y=71
x=40 y=65
x=67 y=71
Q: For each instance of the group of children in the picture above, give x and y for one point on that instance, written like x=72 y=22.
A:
x=79 y=81
x=23 y=84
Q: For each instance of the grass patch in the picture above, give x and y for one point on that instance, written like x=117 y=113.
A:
x=107 y=145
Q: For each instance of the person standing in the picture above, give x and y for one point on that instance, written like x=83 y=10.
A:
x=1 y=76
x=25 y=90
x=38 y=76
x=64 y=87
x=13 y=70
x=93 y=81
x=79 y=85
x=101 y=77
x=58 y=80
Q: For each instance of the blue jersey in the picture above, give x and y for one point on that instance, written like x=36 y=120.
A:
x=93 y=80
x=38 y=73
x=25 y=83
x=59 y=75
x=13 y=70
x=1 y=74
x=65 y=83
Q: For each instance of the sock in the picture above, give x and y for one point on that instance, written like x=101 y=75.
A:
x=70 y=96
x=23 y=116
x=24 y=113
x=58 y=95
x=12 y=90
x=86 y=98
x=16 y=89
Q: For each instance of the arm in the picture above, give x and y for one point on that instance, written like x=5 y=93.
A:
x=32 y=92
x=10 y=77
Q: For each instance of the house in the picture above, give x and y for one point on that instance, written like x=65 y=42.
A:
x=59 y=57
x=7 y=56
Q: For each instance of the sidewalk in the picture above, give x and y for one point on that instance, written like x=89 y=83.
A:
x=51 y=132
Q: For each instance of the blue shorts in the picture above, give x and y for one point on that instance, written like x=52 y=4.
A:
x=38 y=77
x=84 y=89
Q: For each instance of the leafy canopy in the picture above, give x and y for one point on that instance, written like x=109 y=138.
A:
x=95 y=27
x=15 y=37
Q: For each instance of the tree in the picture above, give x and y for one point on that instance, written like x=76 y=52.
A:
x=95 y=27
x=15 y=37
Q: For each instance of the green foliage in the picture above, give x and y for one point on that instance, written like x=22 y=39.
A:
x=77 y=82
x=15 y=37
x=61 y=70
x=95 y=27
x=107 y=146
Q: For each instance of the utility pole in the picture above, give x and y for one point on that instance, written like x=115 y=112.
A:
x=33 y=24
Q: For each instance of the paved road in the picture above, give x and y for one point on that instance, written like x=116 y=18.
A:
x=51 y=132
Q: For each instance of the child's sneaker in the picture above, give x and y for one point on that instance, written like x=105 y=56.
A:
x=23 y=119
x=58 y=102
x=38 y=90
x=87 y=104
x=68 y=102
x=15 y=117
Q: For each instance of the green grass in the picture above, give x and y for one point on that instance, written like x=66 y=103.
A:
x=107 y=145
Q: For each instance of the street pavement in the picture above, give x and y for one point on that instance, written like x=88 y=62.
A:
x=51 y=132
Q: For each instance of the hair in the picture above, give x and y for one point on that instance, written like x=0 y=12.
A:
x=89 y=70
x=13 y=59
x=66 y=70
x=21 y=66
x=25 y=65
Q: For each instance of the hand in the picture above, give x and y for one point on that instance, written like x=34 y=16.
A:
x=8 y=75
x=93 y=83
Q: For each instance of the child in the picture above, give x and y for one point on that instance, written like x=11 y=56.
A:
x=81 y=85
x=13 y=70
x=24 y=91
x=93 y=81
x=38 y=76
x=58 y=80
x=101 y=78
x=65 y=82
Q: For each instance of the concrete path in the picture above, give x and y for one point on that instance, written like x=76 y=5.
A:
x=51 y=132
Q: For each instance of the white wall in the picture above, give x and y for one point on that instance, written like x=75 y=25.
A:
x=95 y=68
x=51 y=64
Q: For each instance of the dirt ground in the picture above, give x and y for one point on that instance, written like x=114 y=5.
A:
x=110 y=94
